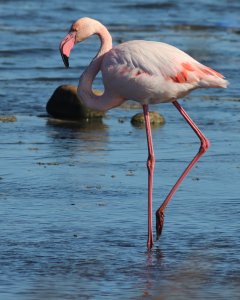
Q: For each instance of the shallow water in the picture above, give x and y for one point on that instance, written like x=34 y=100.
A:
x=74 y=196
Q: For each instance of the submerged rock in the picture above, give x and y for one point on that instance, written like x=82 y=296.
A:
x=155 y=119
x=64 y=104
x=8 y=119
x=130 y=104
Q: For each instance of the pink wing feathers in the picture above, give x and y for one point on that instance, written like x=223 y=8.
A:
x=198 y=73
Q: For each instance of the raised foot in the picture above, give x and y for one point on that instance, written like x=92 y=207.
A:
x=159 y=223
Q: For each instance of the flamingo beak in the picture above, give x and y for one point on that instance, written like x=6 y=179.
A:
x=66 y=46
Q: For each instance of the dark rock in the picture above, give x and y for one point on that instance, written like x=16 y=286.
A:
x=156 y=119
x=64 y=104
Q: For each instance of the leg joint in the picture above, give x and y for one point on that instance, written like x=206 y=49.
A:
x=205 y=144
x=150 y=162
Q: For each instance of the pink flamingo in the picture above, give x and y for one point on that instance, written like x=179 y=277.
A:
x=145 y=71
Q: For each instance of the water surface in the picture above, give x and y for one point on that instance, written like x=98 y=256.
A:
x=74 y=196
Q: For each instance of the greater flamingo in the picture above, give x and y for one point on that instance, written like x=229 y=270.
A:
x=145 y=71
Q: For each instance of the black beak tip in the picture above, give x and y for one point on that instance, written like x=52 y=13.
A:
x=65 y=60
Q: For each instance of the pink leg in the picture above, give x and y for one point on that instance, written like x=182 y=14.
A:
x=203 y=148
x=150 y=166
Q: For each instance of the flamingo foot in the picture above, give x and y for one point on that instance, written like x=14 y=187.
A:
x=150 y=243
x=159 y=223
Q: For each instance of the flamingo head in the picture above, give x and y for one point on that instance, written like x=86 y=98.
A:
x=79 y=31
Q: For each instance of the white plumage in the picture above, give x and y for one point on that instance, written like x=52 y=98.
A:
x=153 y=72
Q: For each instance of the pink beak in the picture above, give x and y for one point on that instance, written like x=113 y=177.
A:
x=66 y=46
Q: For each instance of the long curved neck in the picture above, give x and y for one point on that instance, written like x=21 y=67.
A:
x=85 y=92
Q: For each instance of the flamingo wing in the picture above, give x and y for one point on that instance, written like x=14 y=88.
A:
x=155 y=71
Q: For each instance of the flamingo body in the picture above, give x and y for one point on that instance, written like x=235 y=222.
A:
x=152 y=72
x=148 y=72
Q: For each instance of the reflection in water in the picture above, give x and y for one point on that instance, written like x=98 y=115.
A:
x=154 y=265
x=89 y=136
x=196 y=276
x=95 y=124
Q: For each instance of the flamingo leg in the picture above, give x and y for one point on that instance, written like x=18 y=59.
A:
x=203 y=148
x=150 y=166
